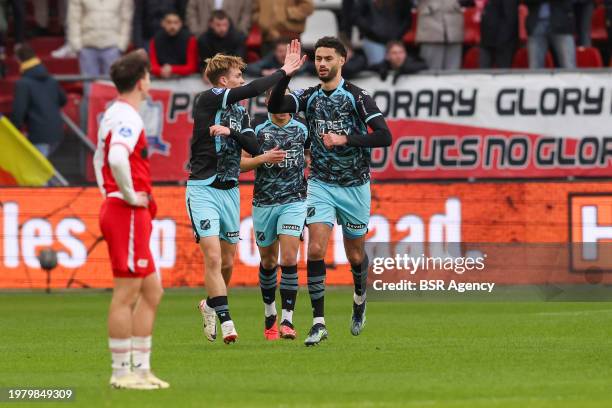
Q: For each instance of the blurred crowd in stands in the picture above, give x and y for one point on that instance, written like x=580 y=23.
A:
x=40 y=39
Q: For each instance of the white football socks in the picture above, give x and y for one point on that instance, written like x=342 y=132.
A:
x=316 y=320
x=287 y=315
x=270 y=309
x=120 y=354
x=141 y=353
x=359 y=299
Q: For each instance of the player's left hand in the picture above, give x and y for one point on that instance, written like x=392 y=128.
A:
x=331 y=139
x=218 y=130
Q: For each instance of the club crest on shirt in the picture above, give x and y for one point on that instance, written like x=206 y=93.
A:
x=152 y=113
x=125 y=132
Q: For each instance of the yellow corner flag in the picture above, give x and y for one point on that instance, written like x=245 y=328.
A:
x=21 y=164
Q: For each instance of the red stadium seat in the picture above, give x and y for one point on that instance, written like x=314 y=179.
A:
x=252 y=56
x=521 y=59
x=588 y=57
x=254 y=40
x=72 y=109
x=598 y=25
x=7 y=90
x=62 y=66
x=43 y=46
x=471 y=59
x=471 y=33
x=410 y=36
x=12 y=67
x=523 y=12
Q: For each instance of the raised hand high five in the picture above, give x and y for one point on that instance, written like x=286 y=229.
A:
x=294 y=59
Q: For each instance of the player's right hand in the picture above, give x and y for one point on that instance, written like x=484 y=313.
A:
x=142 y=200
x=294 y=59
x=274 y=156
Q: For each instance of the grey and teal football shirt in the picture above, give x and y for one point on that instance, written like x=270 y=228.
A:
x=346 y=111
x=284 y=182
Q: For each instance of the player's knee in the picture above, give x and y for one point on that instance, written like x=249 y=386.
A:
x=355 y=257
x=227 y=269
x=316 y=251
x=268 y=263
x=213 y=263
x=125 y=296
x=154 y=296
x=289 y=258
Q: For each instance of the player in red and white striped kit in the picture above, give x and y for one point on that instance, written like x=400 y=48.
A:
x=122 y=171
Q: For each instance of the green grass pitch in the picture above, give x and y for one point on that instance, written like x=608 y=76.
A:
x=410 y=354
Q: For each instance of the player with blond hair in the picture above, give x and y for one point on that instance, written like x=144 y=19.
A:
x=221 y=130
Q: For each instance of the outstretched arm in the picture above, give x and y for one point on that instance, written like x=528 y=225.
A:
x=281 y=103
x=293 y=62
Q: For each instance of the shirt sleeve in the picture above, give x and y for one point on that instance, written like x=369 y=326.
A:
x=126 y=134
x=366 y=107
x=246 y=137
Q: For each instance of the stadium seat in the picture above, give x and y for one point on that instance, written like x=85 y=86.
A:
x=7 y=90
x=588 y=57
x=471 y=33
x=521 y=59
x=523 y=12
x=252 y=56
x=254 y=40
x=63 y=66
x=598 y=25
x=471 y=59
x=410 y=36
x=72 y=109
x=43 y=46
x=321 y=23
x=12 y=67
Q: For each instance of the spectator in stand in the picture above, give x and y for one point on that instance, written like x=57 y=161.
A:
x=99 y=31
x=148 y=15
x=440 y=32
x=381 y=21
x=199 y=13
x=173 y=50
x=270 y=62
x=221 y=37
x=551 y=24
x=498 y=33
x=397 y=62
x=280 y=19
x=583 y=10
x=38 y=102
x=18 y=7
x=356 y=62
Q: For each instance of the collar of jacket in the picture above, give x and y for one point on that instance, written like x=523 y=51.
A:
x=32 y=62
